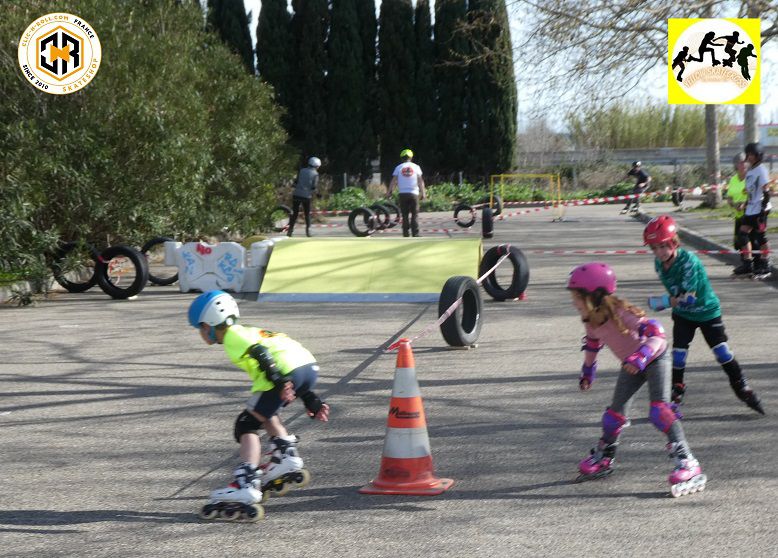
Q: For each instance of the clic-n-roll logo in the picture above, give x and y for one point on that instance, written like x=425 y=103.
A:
x=59 y=53
x=713 y=61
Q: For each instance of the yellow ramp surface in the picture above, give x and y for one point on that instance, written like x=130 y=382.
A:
x=366 y=269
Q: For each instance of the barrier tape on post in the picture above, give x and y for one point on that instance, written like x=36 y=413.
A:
x=451 y=309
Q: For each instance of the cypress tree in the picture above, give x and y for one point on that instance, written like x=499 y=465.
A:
x=396 y=80
x=492 y=103
x=425 y=141
x=368 y=27
x=308 y=107
x=451 y=48
x=346 y=91
x=275 y=61
x=228 y=18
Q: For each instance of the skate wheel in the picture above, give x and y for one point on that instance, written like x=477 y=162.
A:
x=283 y=490
x=254 y=513
x=208 y=512
x=230 y=514
x=265 y=496
x=303 y=478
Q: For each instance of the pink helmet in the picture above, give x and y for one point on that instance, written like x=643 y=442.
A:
x=591 y=277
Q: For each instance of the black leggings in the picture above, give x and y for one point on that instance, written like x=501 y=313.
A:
x=715 y=335
x=296 y=203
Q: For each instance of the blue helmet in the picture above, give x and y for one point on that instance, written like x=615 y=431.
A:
x=213 y=308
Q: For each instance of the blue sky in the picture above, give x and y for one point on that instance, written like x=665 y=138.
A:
x=768 y=110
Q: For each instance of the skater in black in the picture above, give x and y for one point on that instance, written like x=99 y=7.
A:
x=731 y=40
x=742 y=60
x=679 y=61
x=706 y=46
x=641 y=185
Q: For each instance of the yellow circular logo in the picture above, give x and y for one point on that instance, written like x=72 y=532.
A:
x=59 y=53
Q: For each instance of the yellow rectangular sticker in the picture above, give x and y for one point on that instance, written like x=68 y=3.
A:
x=714 y=61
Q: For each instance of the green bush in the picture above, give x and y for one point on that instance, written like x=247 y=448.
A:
x=349 y=198
x=157 y=144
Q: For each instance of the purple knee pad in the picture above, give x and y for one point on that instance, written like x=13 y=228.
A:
x=612 y=425
x=662 y=415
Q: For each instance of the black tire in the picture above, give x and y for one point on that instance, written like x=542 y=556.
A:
x=520 y=272
x=463 y=327
x=677 y=197
x=383 y=217
x=487 y=223
x=368 y=219
x=110 y=282
x=496 y=204
x=158 y=279
x=464 y=207
x=394 y=209
x=75 y=276
x=276 y=216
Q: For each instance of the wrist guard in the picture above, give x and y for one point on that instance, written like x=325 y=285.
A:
x=267 y=364
x=640 y=358
x=312 y=403
x=686 y=299
x=588 y=373
x=659 y=303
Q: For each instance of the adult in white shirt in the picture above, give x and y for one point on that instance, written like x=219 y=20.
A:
x=407 y=178
x=754 y=223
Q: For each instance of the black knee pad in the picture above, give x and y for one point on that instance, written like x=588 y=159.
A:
x=246 y=423
x=741 y=240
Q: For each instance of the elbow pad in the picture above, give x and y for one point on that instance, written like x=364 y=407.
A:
x=267 y=364
x=651 y=328
x=591 y=345
x=312 y=403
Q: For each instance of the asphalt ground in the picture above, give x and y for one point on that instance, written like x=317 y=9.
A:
x=116 y=422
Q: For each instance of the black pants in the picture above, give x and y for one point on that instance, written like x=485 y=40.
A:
x=409 y=205
x=714 y=333
x=757 y=235
x=296 y=203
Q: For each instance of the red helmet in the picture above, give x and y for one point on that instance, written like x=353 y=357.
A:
x=660 y=229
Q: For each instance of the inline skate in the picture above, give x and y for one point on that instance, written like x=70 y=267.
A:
x=239 y=501
x=285 y=469
x=599 y=464
x=687 y=477
x=747 y=395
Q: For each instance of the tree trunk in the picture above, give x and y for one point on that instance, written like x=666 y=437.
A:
x=713 y=199
x=750 y=122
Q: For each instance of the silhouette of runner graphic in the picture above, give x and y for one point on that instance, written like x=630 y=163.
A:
x=679 y=61
x=705 y=46
x=742 y=59
x=732 y=40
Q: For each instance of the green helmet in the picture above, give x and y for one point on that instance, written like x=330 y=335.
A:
x=406 y=153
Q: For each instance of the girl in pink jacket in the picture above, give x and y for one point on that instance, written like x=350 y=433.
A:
x=640 y=345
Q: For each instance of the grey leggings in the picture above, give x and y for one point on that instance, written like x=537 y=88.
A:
x=658 y=374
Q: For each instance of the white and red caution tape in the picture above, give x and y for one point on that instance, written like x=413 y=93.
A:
x=451 y=309
x=625 y=252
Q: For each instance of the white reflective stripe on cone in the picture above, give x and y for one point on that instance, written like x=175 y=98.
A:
x=405 y=384
x=406 y=443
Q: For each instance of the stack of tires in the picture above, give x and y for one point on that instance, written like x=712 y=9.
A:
x=121 y=271
x=364 y=221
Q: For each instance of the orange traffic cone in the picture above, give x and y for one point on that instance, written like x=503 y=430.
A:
x=406 y=464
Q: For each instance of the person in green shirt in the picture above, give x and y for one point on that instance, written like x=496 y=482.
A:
x=281 y=370
x=694 y=305
x=737 y=196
